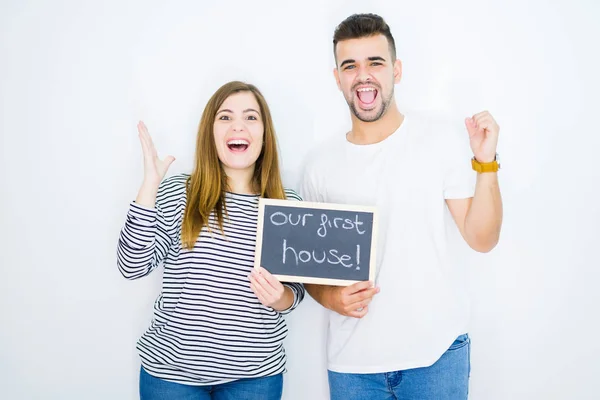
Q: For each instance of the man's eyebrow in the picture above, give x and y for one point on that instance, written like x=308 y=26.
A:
x=351 y=61
x=348 y=61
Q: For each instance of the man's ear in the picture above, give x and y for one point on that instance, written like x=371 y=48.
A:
x=397 y=71
x=336 y=75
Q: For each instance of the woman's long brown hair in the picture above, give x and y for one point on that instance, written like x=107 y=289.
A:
x=207 y=184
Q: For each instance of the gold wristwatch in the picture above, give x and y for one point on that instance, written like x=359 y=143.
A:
x=480 y=167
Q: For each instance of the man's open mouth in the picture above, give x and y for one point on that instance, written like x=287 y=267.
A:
x=367 y=95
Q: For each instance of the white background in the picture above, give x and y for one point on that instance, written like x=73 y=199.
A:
x=76 y=76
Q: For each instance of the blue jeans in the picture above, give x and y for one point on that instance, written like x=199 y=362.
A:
x=267 y=388
x=447 y=379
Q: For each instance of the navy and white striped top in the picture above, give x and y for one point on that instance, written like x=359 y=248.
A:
x=208 y=326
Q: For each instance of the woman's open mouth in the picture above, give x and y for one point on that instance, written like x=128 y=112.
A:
x=238 y=145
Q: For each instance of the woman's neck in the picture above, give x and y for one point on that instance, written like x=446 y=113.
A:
x=241 y=180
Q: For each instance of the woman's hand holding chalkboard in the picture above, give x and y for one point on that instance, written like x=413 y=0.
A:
x=353 y=300
x=270 y=292
x=155 y=169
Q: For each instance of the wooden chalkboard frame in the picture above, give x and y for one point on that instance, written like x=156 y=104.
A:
x=321 y=206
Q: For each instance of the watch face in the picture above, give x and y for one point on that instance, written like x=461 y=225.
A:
x=498 y=159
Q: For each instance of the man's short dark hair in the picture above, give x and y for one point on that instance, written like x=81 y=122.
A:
x=358 y=26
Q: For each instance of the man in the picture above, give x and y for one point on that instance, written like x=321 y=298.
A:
x=404 y=337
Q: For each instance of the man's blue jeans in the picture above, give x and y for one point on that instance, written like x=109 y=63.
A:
x=447 y=379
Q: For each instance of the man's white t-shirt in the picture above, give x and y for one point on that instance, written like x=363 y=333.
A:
x=421 y=308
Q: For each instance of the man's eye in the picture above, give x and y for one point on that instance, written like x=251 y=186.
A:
x=349 y=67
x=376 y=63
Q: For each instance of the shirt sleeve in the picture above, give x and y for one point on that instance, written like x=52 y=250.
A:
x=149 y=233
x=459 y=177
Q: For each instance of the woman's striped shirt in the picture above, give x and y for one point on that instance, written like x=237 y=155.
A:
x=208 y=326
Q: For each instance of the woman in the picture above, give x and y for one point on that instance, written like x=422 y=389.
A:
x=217 y=331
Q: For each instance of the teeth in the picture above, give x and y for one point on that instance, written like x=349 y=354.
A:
x=366 y=90
x=238 y=141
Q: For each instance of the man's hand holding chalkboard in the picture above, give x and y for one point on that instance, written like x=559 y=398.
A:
x=353 y=300
x=270 y=292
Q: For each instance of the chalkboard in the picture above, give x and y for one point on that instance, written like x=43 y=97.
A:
x=321 y=243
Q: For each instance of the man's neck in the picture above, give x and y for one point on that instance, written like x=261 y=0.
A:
x=364 y=133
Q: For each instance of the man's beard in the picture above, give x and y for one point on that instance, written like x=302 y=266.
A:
x=385 y=103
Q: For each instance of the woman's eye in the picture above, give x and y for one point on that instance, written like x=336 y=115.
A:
x=224 y=117
x=252 y=117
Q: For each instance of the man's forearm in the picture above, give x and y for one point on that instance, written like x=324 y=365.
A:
x=320 y=293
x=484 y=218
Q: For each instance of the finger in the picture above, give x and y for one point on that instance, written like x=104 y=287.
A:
x=488 y=127
x=356 y=287
x=359 y=305
x=359 y=314
x=269 y=277
x=480 y=114
x=151 y=145
x=266 y=289
x=475 y=124
x=471 y=126
x=491 y=124
x=146 y=151
x=145 y=139
x=259 y=294
x=262 y=299
x=168 y=161
x=143 y=143
x=143 y=129
x=360 y=296
x=263 y=281
x=484 y=120
x=257 y=289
